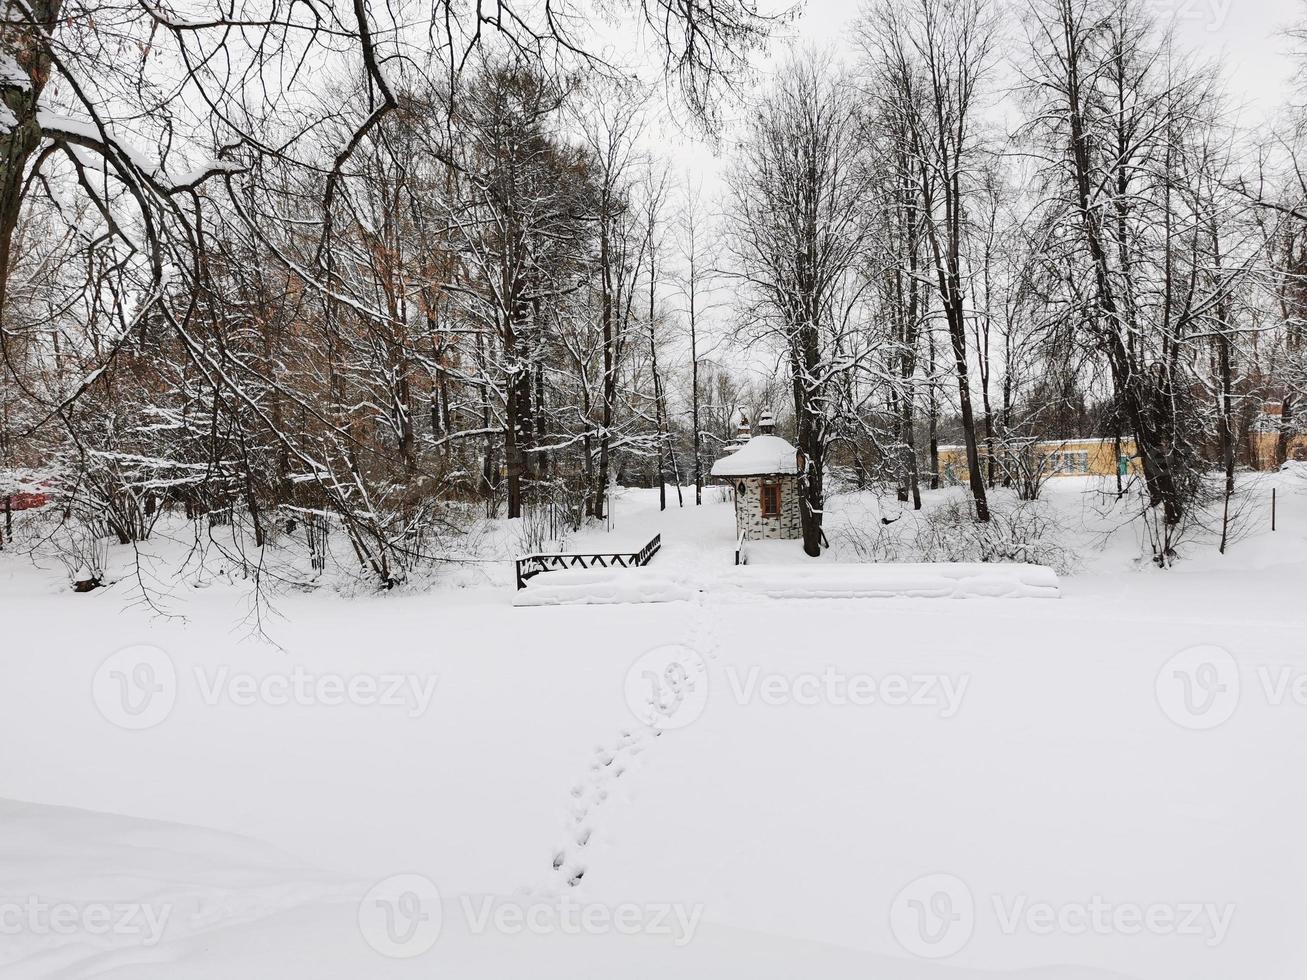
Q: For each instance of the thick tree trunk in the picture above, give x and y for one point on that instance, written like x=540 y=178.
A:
x=947 y=265
x=932 y=415
x=976 y=478
x=1226 y=430
x=694 y=397
x=512 y=452
x=19 y=141
x=1282 y=441
x=1226 y=374
x=610 y=369
x=1143 y=412
x=660 y=408
x=805 y=360
x=909 y=337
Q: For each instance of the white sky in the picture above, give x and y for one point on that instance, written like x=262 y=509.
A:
x=1245 y=35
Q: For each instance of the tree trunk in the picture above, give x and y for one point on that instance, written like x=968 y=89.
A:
x=932 y=418
x=19 y=141
x=976 y=479
x=694 y=393
x=1286 y=421
x=660 y=410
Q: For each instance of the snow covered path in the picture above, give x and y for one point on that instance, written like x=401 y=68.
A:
x=846 y=749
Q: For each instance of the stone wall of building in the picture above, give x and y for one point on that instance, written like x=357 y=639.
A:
x=748 y=510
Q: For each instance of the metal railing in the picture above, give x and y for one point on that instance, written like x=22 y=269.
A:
x=530 y=566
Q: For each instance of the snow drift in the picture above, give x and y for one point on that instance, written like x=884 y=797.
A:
x=597 y=586
x=797 y=581
x=920 y=581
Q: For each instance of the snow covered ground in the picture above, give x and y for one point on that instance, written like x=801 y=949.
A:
x=441 y=784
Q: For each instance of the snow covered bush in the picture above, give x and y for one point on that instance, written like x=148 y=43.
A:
x=78 y=545
x=1017 y=531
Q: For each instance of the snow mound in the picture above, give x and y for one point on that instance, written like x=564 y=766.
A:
x=151 y=892
x=601 y=586
x=921 y=581
x=268 y=917
x=795 y=581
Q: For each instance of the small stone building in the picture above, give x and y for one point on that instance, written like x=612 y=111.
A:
x=764 y=473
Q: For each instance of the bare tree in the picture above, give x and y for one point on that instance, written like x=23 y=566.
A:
x=798 y=195
x=694 y=281
x=1114 y=112
x=932 y=57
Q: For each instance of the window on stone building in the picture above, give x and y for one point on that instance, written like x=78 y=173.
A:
x=771 y=498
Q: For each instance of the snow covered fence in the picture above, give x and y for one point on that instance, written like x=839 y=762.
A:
x=529 y=566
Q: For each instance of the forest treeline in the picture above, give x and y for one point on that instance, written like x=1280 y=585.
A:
x=287 y=267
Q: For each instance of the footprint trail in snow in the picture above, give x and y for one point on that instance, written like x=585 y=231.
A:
x=610 y=763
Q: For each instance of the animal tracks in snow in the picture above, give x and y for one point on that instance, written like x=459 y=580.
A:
x=590 y=794
x=666 y=689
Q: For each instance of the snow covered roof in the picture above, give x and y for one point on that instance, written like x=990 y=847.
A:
x=760 y=455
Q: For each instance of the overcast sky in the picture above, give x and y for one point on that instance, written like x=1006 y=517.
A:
x=1246 y=35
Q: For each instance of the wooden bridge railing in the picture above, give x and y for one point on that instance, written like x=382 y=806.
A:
x=531 y=565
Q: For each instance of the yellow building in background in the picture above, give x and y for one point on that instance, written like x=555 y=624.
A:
x=1266 y=449
x=1051 y=458
x=1266 y=438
